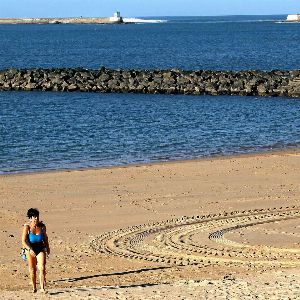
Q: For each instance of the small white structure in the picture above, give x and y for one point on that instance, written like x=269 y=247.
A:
x=293 y=18
x=116 y=18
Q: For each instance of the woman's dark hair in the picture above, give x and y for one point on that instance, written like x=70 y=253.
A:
x=32 y=212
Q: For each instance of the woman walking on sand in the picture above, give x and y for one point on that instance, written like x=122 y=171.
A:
x=35 y=242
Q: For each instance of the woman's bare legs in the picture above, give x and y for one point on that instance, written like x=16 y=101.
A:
x=32 y=270
x=41 y=259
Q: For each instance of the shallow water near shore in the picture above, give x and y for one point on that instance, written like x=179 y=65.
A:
x=52 y=131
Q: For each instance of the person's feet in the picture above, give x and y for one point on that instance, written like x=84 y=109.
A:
x=42 y=286
x=34 y=290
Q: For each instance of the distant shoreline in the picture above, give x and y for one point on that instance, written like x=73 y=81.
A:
x=114 y=19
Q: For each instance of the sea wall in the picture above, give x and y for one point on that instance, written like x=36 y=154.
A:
x=201 y=82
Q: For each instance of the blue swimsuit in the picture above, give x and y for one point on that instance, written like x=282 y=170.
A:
x=36 y=242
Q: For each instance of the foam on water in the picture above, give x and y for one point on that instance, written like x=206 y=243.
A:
x=137 y=20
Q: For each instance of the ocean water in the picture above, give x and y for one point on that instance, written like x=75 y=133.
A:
x=189 y=43
x=49 y=131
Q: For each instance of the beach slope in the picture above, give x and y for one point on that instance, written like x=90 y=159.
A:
x=215 y=226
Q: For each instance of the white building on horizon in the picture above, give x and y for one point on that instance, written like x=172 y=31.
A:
x=293 y=18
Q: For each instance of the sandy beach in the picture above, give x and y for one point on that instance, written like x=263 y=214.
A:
x=221 y=228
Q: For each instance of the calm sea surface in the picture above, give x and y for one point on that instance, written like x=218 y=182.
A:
x=43 y=131
x=188 y=43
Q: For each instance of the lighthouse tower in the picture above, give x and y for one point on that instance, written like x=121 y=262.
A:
x=116 y=18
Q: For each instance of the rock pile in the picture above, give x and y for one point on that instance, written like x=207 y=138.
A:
x=201 y=82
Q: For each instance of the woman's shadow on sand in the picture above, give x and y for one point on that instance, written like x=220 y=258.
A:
x=109 y=274
x=74 y=279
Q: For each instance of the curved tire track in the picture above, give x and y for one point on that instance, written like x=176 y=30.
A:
x=200 y=240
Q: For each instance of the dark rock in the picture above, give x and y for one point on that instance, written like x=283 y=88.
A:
x=273 y=83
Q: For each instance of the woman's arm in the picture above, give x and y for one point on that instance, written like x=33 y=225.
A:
x=25 y=243
x=46 y=241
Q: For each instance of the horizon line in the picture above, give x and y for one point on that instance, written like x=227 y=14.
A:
x=150 y=16
x=146 y=16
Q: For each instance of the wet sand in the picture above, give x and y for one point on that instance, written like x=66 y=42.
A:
x=222 y=226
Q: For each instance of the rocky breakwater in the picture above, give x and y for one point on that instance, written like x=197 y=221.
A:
x=201 y=82
x=60 y=21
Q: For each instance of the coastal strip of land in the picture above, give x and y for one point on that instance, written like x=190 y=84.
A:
x=79 y=20
x=214 y=226
x=199 y=82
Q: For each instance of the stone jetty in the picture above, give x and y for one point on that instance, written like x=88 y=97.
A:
x=173 y=81
x=115 y=19
x=78 y=20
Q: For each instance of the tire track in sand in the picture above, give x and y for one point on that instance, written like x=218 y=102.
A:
x=200 y=240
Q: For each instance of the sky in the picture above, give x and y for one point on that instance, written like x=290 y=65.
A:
x=144 y=8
